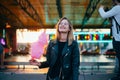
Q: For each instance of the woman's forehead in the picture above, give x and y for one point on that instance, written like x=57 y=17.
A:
x=64 y=20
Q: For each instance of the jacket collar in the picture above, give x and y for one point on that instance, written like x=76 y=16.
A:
x=65 y=49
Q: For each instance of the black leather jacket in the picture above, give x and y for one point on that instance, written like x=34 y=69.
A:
x=70 y=62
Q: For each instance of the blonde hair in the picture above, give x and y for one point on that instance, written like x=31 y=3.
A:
x=70 y=33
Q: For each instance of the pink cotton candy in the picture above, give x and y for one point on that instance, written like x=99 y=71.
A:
x=37 y=48
x=43 y=38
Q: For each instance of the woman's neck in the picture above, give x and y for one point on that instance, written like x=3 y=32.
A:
x=63 y=37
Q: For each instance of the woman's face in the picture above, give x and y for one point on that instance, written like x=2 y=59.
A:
x=64 y=26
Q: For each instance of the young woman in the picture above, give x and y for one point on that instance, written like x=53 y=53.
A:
x=63 y=57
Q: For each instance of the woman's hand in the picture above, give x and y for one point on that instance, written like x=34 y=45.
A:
x=34 y=62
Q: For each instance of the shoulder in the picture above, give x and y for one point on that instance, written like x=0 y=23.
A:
x=74 y=42
x=52 y=41
x=116 y=8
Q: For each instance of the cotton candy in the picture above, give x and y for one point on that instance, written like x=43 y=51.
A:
x=37 y=48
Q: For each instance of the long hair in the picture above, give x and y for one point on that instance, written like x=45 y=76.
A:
x=70 y=36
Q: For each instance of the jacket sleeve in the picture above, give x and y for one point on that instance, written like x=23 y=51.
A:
x=110 y=13
x=75 y=61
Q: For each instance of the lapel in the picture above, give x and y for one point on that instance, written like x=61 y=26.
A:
x=56 y=47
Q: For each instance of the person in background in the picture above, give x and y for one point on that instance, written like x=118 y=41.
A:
x=114 y=14
x=1 y=56
x=63 y=57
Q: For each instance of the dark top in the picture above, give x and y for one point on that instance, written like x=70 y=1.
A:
x=56 y=68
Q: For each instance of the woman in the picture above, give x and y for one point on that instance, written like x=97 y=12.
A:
x=114 y=14
x=62 y=54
